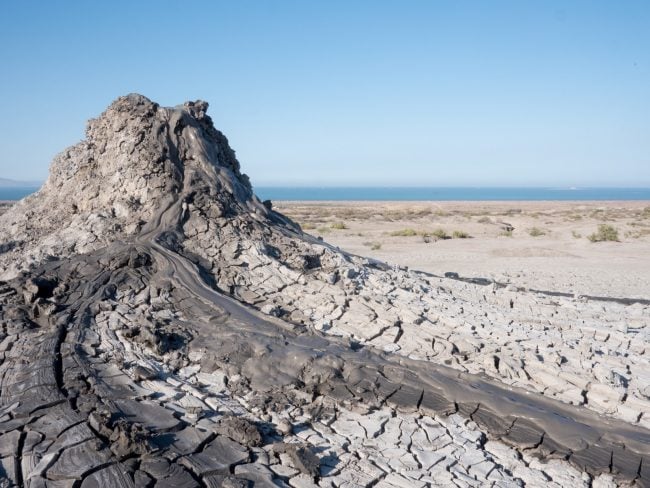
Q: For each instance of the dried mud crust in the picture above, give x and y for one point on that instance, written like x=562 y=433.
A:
x=114 y=373
x=215 y=344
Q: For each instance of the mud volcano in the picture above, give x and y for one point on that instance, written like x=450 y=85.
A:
x=163 y=327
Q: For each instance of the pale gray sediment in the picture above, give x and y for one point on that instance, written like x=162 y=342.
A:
x=129 y=364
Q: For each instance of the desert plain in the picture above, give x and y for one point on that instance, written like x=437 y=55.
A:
x=533 y=244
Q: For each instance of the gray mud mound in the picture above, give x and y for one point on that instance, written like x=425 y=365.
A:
x=163 y=327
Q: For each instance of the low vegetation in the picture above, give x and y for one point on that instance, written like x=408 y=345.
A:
x=405 y=233
x=605 y=232
x=638 y=233
x=437 y=233
x=374 y=245
x=576 y=235
x=338 y=225
x=506 y=233
x=536 y=232
x=396 y=215
x=440 y=234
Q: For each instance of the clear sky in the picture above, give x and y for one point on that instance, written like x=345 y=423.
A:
x=481 y=93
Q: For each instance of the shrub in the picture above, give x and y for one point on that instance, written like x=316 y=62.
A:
x=373 y=245
x=308 y=226
x=506 y=233
x=404 y=233
x=485 y=220
x=576 y=235
x=440 y=234
x=605 y=232
x=536 y=232
x=339 y=225
x=459 y=234
x=638 y=234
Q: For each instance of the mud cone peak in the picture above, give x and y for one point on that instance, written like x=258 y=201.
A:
x=136 y=156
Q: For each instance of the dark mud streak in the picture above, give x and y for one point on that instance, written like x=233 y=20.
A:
x=487 y=282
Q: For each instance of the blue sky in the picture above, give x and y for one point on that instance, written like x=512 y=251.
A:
x=348 y=92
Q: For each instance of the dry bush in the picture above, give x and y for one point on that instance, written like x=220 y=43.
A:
x=536 y=232
x=404 y=233
x=374 y=245
x=605 y=232
x=440 y=234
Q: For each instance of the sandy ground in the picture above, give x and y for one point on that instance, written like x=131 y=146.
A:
x=548 y=249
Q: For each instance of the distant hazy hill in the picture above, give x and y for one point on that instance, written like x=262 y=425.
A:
x=7 y=183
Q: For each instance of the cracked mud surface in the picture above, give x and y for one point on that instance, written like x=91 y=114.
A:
x=181 y=333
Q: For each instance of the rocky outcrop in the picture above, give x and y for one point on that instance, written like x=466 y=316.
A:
x=161 y=326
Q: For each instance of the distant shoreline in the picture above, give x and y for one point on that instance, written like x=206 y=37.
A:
x=495 y=203
x=451 y=194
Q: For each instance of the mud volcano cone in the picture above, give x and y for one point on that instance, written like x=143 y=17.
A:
x=163 y=327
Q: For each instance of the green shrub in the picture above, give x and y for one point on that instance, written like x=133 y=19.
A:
x=536 y=232
x=459 y=234
x=605 y=232
x=506 y=233
x=339 y=225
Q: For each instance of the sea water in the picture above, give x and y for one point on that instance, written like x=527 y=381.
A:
x=419 y=193
x=449 y=193
x=16 y=192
